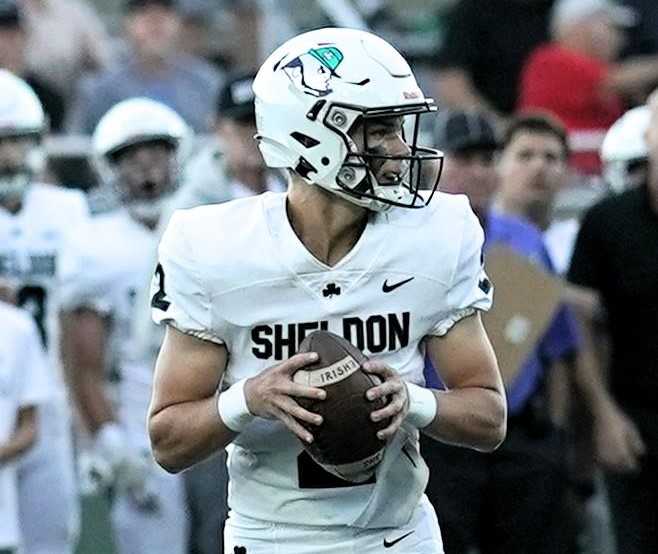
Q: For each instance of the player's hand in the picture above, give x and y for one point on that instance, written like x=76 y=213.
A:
x=271 y=394
x=617 y=441
x=393 y=387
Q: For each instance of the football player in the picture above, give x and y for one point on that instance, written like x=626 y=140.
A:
x=137 y=148
x=36 y=224
x=23 y=388
x=353 y=247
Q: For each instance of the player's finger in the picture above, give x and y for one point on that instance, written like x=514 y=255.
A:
x=291 y=407
x=379 y=368
x=293 y=425
x=386 y=388
x=297 y=362
x=304 y=391
x=392 y=427
x=392 y=409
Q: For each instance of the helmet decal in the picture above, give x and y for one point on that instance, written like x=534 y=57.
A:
x=313 y=71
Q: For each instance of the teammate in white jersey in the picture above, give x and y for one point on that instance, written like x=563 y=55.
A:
x=36 y=223
x=23 y=388
x=136 y=147
x=240 y=285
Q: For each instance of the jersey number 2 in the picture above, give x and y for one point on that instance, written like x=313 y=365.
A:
x=159 y=298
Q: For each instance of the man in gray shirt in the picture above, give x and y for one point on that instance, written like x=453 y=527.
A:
x=153 y=68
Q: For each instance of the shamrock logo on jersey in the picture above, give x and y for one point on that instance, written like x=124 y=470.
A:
x=314 y=70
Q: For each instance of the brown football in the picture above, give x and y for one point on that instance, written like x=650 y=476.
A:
x=346 y=443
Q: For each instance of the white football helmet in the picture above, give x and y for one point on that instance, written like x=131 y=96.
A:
x=624 y=149
x=23 y=122
x=313 y=90
x=131 y=123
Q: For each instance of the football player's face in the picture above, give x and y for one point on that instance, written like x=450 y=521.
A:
x=471 y=172
x=383 y=137
x=146 y=171
x=154 y=30
x=13 y=154
x=532 y=168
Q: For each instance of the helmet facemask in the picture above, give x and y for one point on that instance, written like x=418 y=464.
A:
x=22 y=159
x=144 y=176
x=372 y=175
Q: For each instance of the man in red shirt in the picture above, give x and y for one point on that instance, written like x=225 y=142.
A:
x=576 y=79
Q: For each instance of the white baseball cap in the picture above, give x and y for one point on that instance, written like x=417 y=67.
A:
x=574 y=11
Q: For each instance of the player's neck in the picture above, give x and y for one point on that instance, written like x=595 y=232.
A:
x=328 y=226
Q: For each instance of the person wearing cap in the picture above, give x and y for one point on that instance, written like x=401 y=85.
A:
x=508 y=501
x=13 y=57
x=153 y=68
x=231 y=166
x=576 y=76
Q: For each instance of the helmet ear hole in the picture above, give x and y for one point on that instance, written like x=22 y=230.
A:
x=325 y=160
x=304 y=168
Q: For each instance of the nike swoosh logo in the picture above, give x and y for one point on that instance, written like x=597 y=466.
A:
x=388 y=288
x=388 y=544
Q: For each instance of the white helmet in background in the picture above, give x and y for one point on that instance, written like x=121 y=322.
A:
x=624 y=150
x=130 y=124
x=313 y=90
x=23 y=122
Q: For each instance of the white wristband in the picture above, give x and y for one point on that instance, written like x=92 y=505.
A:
x=422 y=406
x=232 y=407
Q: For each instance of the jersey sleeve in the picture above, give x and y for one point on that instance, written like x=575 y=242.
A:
x=470 y=289
x=178 y=295
x=84 y=276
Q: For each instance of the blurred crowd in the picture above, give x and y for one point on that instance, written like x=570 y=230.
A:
x=548 y=121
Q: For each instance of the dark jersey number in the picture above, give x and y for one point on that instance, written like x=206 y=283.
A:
x=33 y=299
x=159 y=300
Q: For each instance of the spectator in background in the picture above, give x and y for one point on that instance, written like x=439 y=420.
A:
x=615 y=260
x=65 y=39
x=534 y=160
x=508 y=501
x=231 y=166
x=484 y=49
x=534 y=168
x=12 y=57
x=154 y=68
x=23 y=387
x=575 y=77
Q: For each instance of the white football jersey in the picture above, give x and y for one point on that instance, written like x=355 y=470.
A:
x=117 y=262
x=24 y=381
x=237 y=274
x=36 y=251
